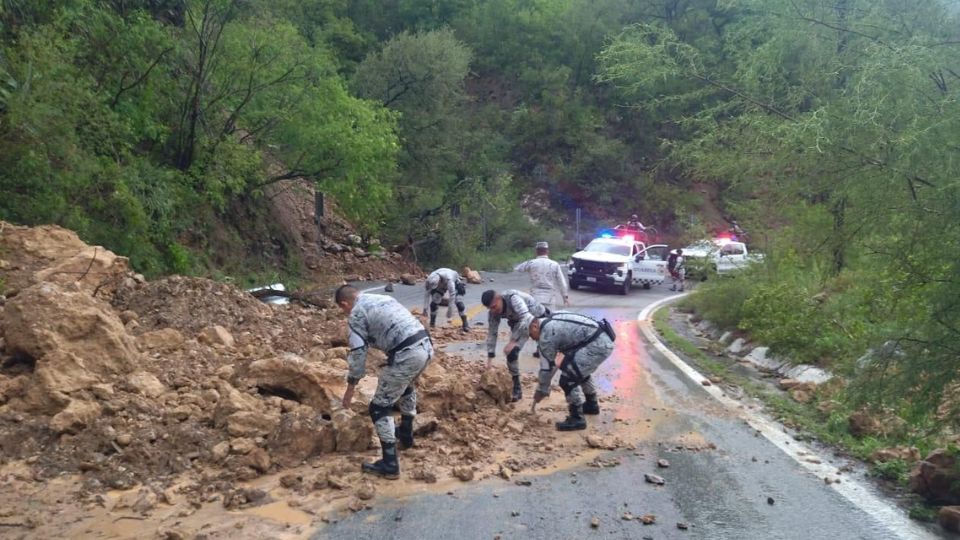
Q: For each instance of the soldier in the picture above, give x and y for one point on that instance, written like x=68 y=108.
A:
x=519 y=308
x=382 y=322
x=584 y=344
x=675 y=266
x=548 y=284
x=440 y=281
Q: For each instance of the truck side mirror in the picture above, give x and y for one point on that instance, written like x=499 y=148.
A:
x=638 y=258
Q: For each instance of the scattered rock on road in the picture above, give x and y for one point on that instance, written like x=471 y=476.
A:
x=408 y=279
x=663 y=464
x=648 y=519
x=595 y=522
x=654 y=479
x=682 y=526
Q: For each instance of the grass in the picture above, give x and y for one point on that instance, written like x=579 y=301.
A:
x=662 y=325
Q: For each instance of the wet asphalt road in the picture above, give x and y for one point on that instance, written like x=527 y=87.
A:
x=720 y=494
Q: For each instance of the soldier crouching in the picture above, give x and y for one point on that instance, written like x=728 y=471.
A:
x=584 y=344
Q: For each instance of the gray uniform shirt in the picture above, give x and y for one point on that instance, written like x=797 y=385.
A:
x=546 y=278
x=519 y=308
x=376 y=321
x=441 y=279
x=564 y=330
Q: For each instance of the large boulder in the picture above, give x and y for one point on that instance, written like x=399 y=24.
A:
x=937 y=478
x=292 y=377
x=353 y=432
x=75 y=340
x=53 y=254
x=498 y=384
x=298 y=438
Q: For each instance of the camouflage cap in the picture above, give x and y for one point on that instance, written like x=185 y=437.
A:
x=542 y=245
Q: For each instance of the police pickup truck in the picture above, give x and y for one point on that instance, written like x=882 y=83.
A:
x=721 y=256
x=618 y=262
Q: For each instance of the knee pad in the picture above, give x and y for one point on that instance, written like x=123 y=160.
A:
x=433 y=307
x=460 y=307
x=379 y=411
x=567 y=384
x=513 y=355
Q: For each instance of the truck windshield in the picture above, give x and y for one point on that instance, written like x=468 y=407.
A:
x=599 y=246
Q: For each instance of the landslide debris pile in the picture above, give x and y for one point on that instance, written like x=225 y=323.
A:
x=131 y=381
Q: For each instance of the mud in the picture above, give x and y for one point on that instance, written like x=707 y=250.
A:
x=185 y=408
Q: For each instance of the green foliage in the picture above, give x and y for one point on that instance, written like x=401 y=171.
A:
x=828 y=128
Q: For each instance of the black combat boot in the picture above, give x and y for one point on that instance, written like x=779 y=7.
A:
x=591 y=405
x=433 y=320
x=517 y=390
x=466 y=325
x=404 y=432
x=574 y=421
x=388 y=467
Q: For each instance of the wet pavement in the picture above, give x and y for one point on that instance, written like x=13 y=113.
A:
x=724 y=479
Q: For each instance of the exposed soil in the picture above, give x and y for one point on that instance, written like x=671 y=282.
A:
x=156 y=405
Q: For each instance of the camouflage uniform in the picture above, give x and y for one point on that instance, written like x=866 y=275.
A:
x=584 y=345
x=548 y=282
x=519 y=308
x=382 y=322
x=444 y=281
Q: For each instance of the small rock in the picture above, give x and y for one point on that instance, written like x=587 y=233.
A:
x=595 y=522
x=627 y=516
x=291 y=481
x=366 y=491
x=514 y=513
x=388 y=287
x=408 y=279
x=663 y=464
x=682 y=526
x=949 y=518
x=706 y=382
x=654 y=479
x=216 y=335
x=648 y=519
x=220 y=451
x=770 y=500
x=464 y=473
x=124 y=439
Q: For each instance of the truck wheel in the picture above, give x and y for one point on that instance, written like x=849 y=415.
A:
x=625 y=288
x=646 y=286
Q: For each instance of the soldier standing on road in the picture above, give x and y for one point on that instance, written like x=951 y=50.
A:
x=440 y=281
x=584 y=344
x=675 y=266
x=548 y=284
x=382 y=322
x=519 y=308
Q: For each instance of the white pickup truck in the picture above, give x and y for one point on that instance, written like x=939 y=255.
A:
x=718 y=256
x=619 y=263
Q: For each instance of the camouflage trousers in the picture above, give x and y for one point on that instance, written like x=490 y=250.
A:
x=575 y=374
x=513 y=364
x=396 y=385
x=436 y=297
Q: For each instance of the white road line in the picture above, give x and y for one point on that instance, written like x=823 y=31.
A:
x=859 y=494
